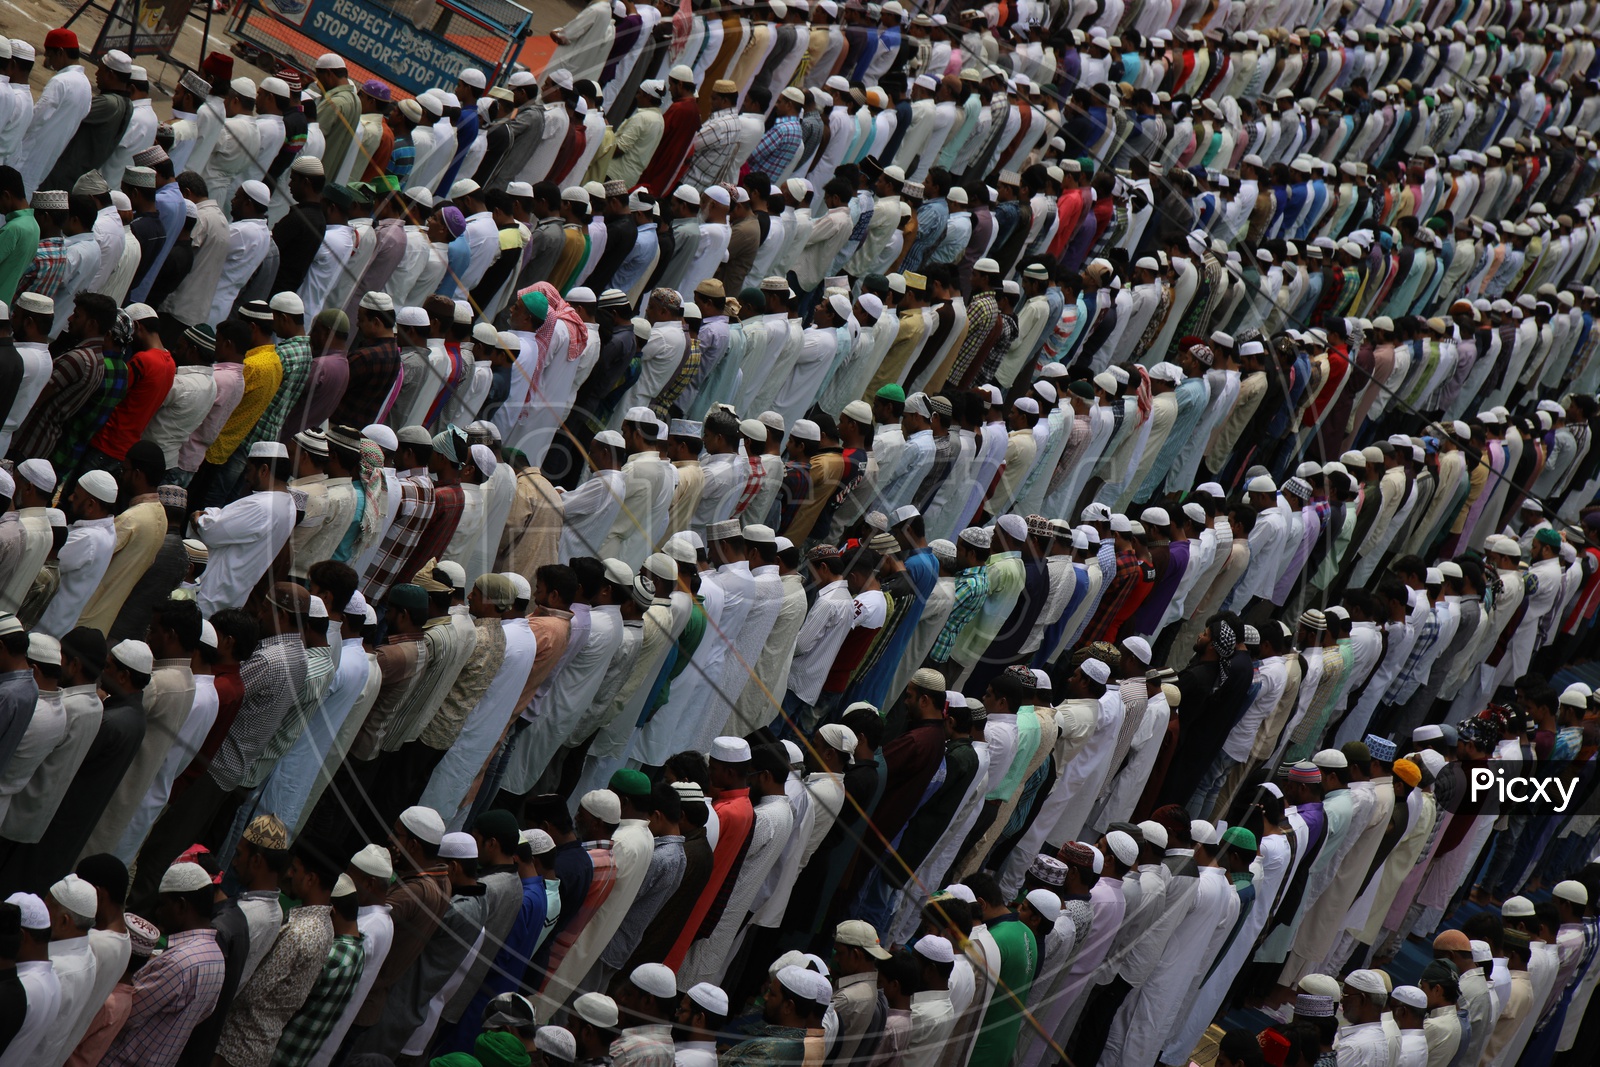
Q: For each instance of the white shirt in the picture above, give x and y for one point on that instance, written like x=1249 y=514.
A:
x=337 y=242
x=239 y=554
x=19 y=108
x=75 y=968
x=588 y=512
x=56 y=114
x=483 y=245
x=83 y=560
x=46 y=730
x=108 y=235
x=36 y=365
x=43 y=988
x=827 y=624
x=140 y=134
x=247 y=247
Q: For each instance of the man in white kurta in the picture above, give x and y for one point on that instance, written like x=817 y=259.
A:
x=631 y=846
x=244 y=537
x=1145 y=1018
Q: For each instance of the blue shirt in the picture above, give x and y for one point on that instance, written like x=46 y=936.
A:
x=638 y=260
x=931 y=220
x=923 y=571
x=170 y=210
x=460 y=260
x=466 y=133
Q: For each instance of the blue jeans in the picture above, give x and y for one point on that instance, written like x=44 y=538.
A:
x=1205 y=796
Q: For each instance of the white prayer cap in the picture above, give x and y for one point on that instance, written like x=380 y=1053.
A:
x=38 y=473
x=134 y=655
x=100 y=485
x=1203 y=832
x=656 y=979
x=1366 y=981
x=712 y=998
x=77 y=896
x=1045 y=903
x=1411 y=996
x=178 y=878
x=730 y=749
x=603 y=804
x=424 y=824
x=374 y=860
x=1154 y=833
x=935 y=948
x=596 y=1009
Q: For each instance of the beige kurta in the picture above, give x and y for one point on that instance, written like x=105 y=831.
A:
x=532 y=536
x=140 y=531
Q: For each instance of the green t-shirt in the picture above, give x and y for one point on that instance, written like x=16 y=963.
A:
x=1019 y=954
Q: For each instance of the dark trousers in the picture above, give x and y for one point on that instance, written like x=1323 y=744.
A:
x=202 y=814
x=1094 y=1025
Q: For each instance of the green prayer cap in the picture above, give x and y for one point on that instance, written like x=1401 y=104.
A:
x=630 y=783
x=412 y=599
x=501 y=1049
x=892 y=392
x=537 y=303
x=1240 y=838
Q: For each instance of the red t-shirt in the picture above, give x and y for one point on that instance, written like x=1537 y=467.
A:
x=150 y=375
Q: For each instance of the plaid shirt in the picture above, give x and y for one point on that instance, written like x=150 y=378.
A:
x=273 y=678
x=643 y=1046
x=777 y=148
x=1002 y=345
x=373 y=368
x=972 y=589
x=711 y=157
x=1129 y=572
x=172 y=994
x=114 y=381
x=304 y=1034
x=681 y=379
x=1406 y=682
x=982 y=310
x=49 y=270
x=411 y=518
x=448 y=503
x=74 y=376
x=295 y=355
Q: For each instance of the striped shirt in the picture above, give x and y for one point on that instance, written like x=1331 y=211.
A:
x=411 y=517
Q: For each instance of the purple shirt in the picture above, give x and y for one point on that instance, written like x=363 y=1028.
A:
x=325 y=387
x=391 y=248
x=1147 y=619
x=230 y=387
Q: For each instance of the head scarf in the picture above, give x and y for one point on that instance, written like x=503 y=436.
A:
x=120 y=336
x=375 y=490
x=1146 y=399
x=1224 y=641
x=577 y=332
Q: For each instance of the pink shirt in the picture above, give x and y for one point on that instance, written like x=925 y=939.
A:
x=230 y=388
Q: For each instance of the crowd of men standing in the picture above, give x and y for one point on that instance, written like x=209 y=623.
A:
x=808 y=533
